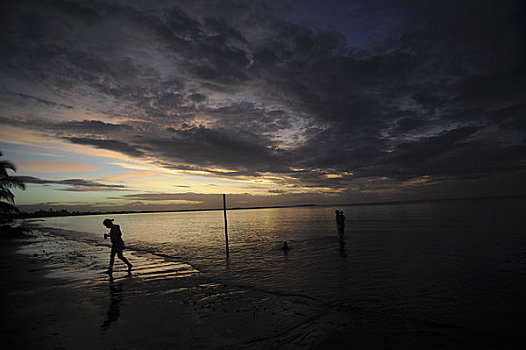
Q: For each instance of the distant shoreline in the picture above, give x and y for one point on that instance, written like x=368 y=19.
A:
x=65 y=213
x=417 y=201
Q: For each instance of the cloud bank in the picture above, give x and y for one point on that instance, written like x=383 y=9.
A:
x=236 y=86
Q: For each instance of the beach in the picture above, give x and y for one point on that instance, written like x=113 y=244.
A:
x=55 y=296
x=420 y=276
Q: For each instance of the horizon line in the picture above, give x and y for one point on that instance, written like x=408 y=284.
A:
x=24 y=215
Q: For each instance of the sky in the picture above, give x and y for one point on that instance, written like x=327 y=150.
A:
x=166 y=105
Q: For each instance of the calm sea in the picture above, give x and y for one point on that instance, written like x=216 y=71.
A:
x=453 y=268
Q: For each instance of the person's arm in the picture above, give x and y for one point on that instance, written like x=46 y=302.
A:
x=109 y=234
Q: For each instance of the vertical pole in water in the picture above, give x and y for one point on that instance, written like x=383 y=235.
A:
x=226 y=226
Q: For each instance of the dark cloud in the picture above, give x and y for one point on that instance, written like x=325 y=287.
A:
x=34 y=100
x=222 y=148
x=155 y=196
x=236 y=85
x=75 y=10
x=93 y=127
x=112 y=145
x=76 y=184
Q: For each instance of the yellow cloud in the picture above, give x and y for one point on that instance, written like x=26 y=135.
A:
x=124 y=176
x=340 y=175
x=333 y=176
x=417 y=181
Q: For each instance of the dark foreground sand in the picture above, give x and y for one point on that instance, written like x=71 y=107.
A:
x=55 y=296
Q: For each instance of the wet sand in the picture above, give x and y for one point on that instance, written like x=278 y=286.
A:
x=55 y=296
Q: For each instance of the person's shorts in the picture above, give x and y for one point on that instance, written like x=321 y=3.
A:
x=117 y=247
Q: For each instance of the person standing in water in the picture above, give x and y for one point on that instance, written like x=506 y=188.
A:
x=117 y=244
x=340 y=225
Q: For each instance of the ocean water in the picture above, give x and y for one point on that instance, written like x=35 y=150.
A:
x=453 y=270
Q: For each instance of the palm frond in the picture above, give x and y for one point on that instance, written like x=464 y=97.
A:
x=7 y=195
x=7 y=208
x=11 y=182
x=7 y=182
x=4 y=165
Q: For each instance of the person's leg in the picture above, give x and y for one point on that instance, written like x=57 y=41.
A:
x=112 y=260
x=341 y=238
x=119 y=254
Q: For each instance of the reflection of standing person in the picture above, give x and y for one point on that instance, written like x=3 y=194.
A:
x=117 y=244
x=340 y=225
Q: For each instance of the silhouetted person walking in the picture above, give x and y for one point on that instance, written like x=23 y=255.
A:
x=117 y=244
x=340 y=225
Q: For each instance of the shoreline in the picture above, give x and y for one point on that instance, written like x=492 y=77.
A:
x=56 y=296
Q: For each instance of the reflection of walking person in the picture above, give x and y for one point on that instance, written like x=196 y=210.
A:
x=340 y=225
x=117 y=244
x=115 y=304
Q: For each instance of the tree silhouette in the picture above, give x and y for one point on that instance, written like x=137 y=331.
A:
x=6 y=183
